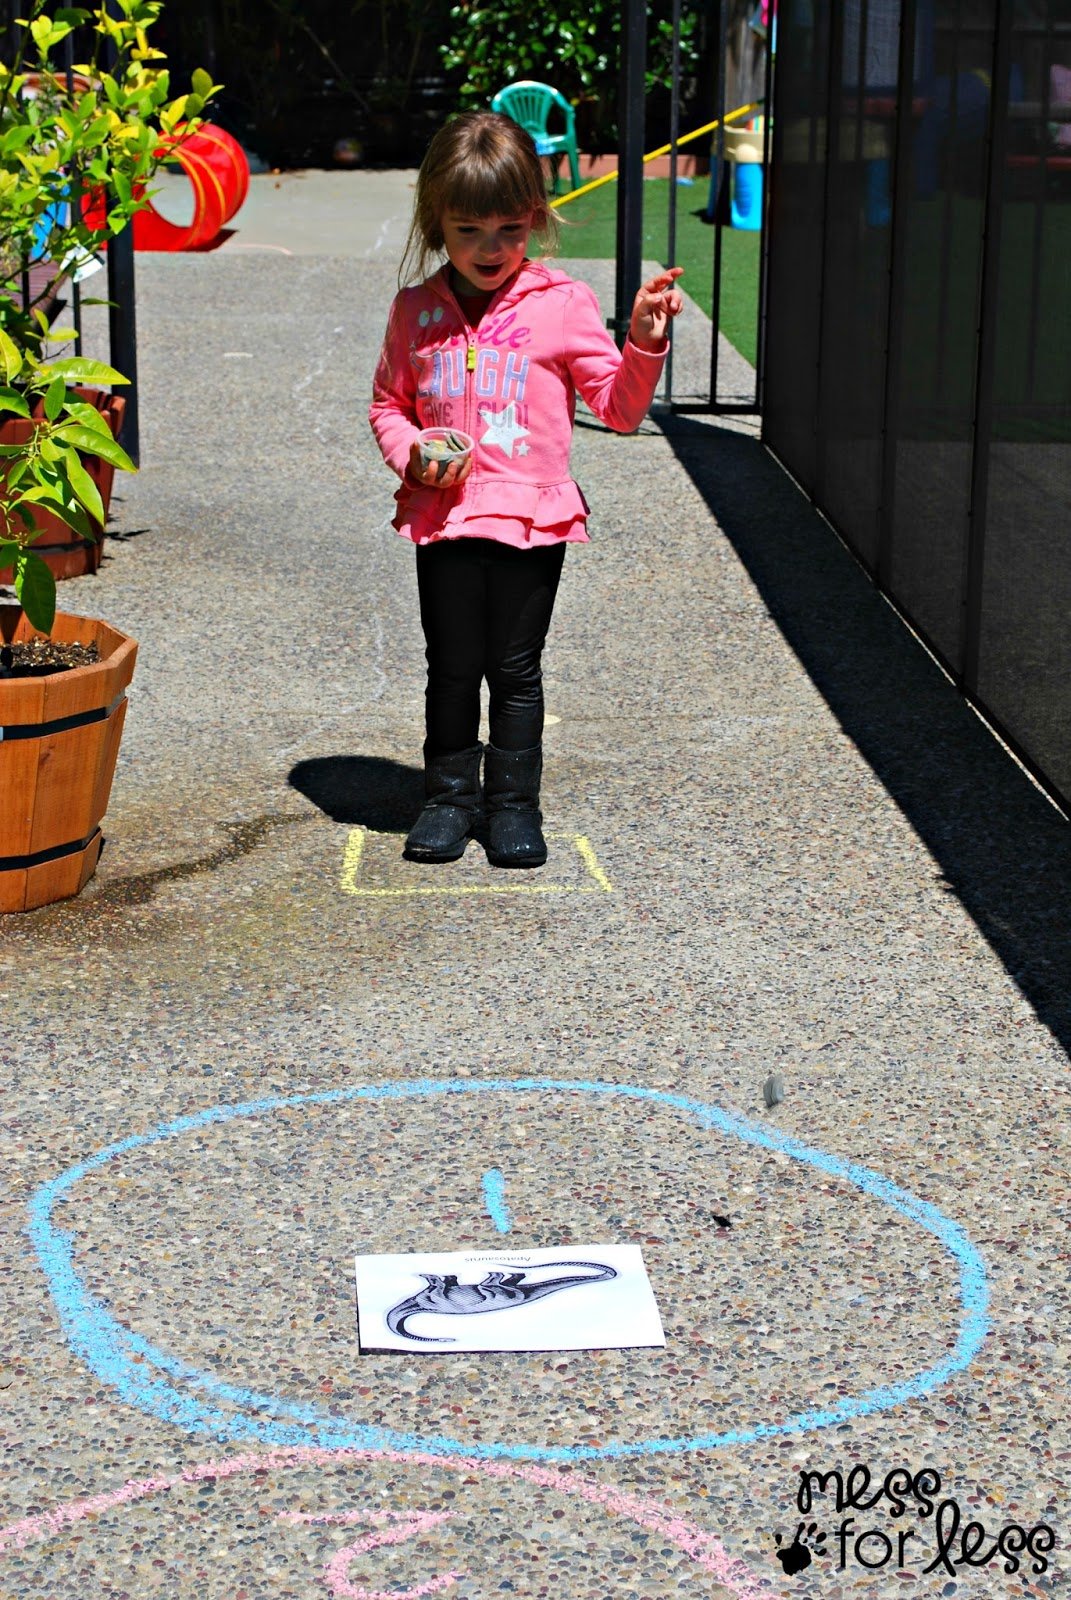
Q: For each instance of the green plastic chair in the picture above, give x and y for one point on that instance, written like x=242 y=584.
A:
x=531 y=105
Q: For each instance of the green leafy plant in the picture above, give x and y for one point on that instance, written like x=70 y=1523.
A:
x=79 y=144
x=575 y=48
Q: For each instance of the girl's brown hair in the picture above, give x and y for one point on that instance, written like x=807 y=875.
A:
x=479 y=164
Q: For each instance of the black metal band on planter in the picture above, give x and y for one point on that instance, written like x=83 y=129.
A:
x=41 y=730
x=38 y=859
x=63 y=549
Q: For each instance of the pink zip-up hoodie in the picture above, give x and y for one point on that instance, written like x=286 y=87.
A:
x=511 y=383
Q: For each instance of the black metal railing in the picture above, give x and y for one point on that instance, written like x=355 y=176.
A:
x=122 y=324
x=630 y=231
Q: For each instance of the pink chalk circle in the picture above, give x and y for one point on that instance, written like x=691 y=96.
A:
x=336 y=1573
x=706 y=1552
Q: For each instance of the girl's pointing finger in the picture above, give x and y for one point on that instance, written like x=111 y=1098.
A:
x=663 y=280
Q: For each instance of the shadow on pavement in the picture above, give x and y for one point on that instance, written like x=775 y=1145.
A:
x=363 y=791
x=1002 y=848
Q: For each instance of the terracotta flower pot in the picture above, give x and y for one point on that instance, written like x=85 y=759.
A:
x=66 y=552
x=59 y=738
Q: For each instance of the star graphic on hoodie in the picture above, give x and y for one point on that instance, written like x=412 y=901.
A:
x=503 y=429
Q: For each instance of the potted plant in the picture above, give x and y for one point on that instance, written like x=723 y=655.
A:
x=78 y=146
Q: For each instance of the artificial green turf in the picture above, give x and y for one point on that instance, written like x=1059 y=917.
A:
x=589 y=232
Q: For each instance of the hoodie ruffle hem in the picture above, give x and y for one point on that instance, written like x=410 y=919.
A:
x=523 y=514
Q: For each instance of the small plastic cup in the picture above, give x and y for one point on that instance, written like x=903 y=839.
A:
x=444 y=445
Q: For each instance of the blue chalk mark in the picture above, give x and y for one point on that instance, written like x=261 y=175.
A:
x=494 y=1200
x=169 y=1389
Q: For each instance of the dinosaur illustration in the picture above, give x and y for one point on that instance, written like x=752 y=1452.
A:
x=498 y=1291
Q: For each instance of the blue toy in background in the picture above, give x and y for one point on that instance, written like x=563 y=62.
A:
x=743 y=151
x=54 y=216
x=747 y=195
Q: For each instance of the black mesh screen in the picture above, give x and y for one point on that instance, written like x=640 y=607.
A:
x=862 y=105
x=941 y=210
x=918 y=371
x=795 y=232
x=1024 y=634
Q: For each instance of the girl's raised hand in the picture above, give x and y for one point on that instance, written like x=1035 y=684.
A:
x=658 y=300
x=437 y=474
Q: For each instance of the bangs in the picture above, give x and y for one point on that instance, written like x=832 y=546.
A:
x=488 y=188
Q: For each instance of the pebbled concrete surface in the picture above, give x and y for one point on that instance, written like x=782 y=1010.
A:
x=801 y=853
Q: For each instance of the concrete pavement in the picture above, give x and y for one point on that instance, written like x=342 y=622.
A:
x=260 y=1043
x=309 y=212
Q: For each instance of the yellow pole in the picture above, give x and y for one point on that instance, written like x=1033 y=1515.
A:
x=663 y=150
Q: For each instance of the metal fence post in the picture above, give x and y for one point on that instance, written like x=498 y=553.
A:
x=75 y=200
x=630 y=167
x=719 y=192
x=123 y=333
x=674 y=135
x=122 y=322
x=764 y=237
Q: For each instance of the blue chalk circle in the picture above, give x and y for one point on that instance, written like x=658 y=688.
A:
x=165 y=1387
x=494 y=1200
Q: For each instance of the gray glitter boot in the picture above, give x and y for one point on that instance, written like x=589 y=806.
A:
x=511 y=780
x=451 y=807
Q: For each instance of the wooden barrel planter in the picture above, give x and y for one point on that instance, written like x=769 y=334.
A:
x=66 y=552
x=59 y=738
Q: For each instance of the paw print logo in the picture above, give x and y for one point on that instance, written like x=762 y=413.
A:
x=800 y=1553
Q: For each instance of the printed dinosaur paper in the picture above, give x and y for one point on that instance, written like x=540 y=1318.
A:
x=595 y=1297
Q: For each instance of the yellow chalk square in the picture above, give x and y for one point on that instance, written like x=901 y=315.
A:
x=373 y=865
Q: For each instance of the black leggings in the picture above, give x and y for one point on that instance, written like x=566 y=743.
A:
x=485 y=609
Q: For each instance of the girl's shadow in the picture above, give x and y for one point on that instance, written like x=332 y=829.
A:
x=363 y=791
x=367 y=792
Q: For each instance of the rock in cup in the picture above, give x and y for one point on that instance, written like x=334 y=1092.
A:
x=444 y=444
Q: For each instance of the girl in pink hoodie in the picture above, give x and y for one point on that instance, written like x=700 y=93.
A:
x=495 y=346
